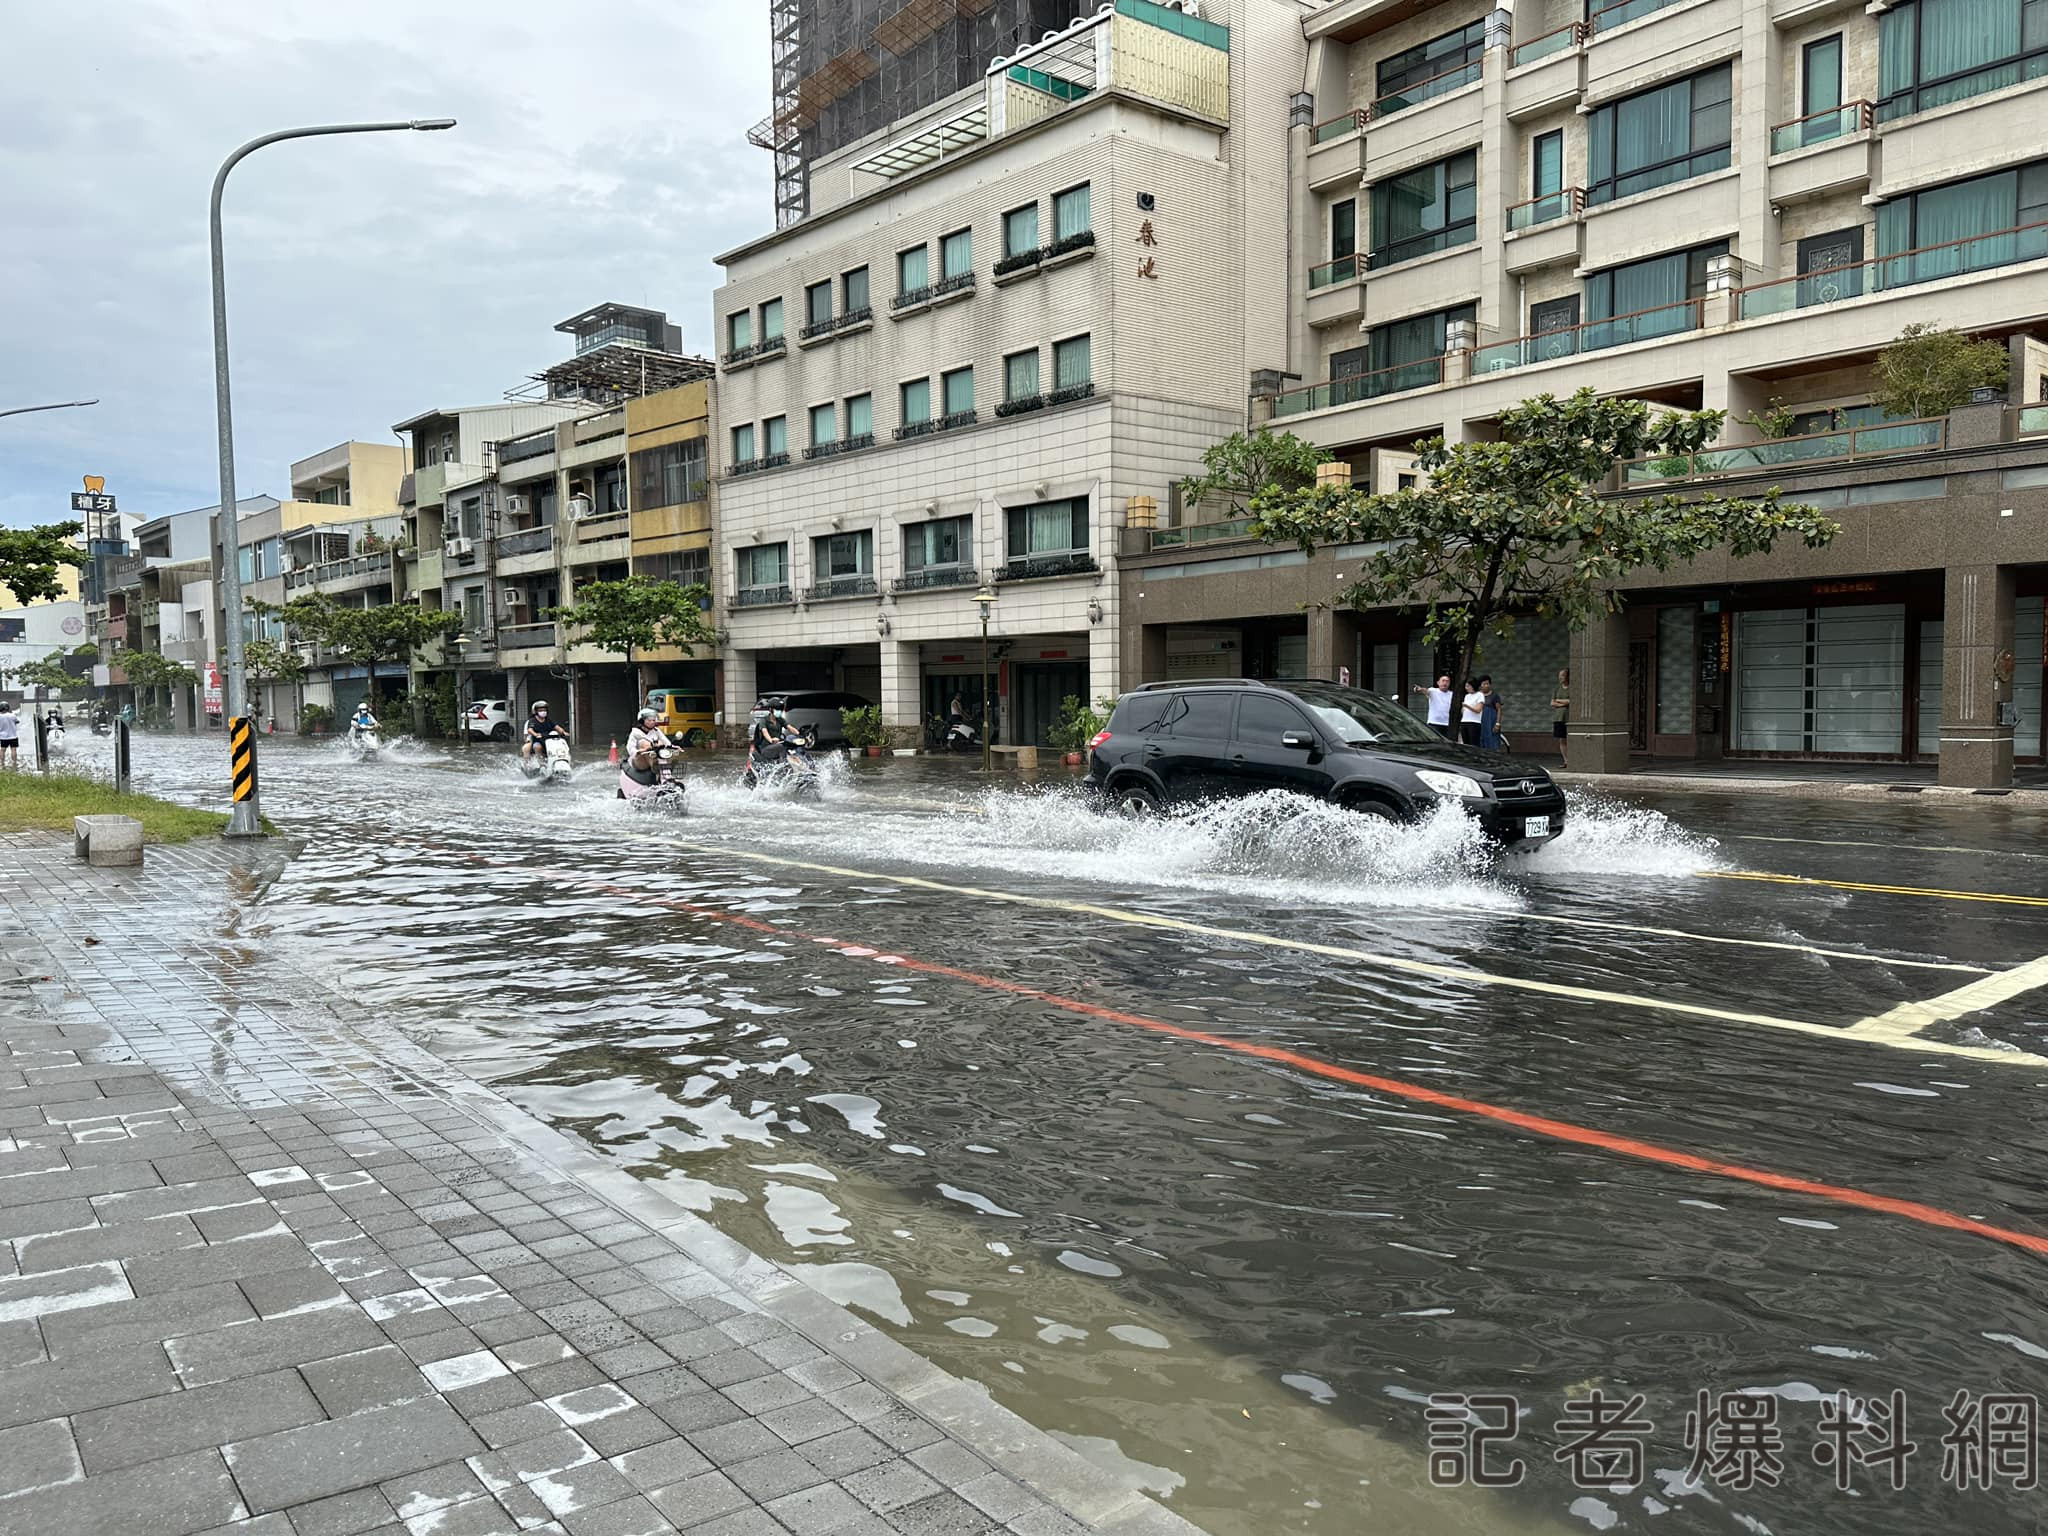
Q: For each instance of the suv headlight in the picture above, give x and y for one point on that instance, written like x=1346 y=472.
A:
x=1459 y=785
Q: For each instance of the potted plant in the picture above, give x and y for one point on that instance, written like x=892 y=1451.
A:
x=864 y=729
x=314 y=719
x=1075 y=726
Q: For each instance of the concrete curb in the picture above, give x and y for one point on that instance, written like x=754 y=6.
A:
x=1805 y=789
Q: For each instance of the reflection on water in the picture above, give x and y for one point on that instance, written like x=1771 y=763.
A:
x=1231 y=1285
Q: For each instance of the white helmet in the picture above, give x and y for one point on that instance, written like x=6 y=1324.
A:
x=648 y=714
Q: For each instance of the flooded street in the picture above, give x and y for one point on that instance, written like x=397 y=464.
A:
x=1217 y=1145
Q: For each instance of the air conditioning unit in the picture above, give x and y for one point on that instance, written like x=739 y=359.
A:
x=515 y=504
x=460 y=547
x=580 y=507
x=511 y=597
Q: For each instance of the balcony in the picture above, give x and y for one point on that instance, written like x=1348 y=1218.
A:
x=1544 y=232
x=1608 y=17
x=1343 y=270
x=1400 y=135
x=931 y=578
x=825 y=591
x=1425 y=90
x=1929 y=264
x=1417 y=246
x=1948 y=89
x=1549 y=45
x=1929 y=435
x=1047 y=567
x=1337 y=127
x=1544 y=71
x=1067 y=394
x=1336 y=152
x=1592 y=336
x=526 y=637
x=762 y=597
x=1356 y=387
x=351 y=575
x=832 y=326
x=1821 y=153
x=1021 y=405
x=529 y=541
x=946 y=290
x=1538 y=211
x=1202 y=533
x=1622 y=58
x=755 y=466
x=756 y=352
x=532 y=446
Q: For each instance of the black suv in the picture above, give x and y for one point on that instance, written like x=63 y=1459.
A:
x=1203 y=740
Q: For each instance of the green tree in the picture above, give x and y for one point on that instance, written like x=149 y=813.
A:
x=149 y=672
x=272 y=661
x=1521 y=526
x=1929 y=371
x=1246 y=465
x=47 y=673
x=637 y=614
x=363 y=637
x=29 y=558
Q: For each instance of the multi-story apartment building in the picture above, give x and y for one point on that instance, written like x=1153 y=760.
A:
x=513 y=506
x=1007 y=317
x=1704 y=203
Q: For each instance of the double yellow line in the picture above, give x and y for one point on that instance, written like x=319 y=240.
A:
x=1767 y=878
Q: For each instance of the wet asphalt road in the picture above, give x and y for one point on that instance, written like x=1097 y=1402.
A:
x=919 y=1042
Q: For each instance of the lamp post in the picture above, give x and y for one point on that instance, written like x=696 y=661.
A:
x=243 y=819
x=985 y=599
x=61 y=405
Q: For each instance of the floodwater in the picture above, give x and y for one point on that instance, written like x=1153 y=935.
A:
x=926 y=1042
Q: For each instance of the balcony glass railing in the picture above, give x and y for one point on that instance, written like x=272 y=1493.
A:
x=1592 y=336
x=1820 y=127
x=1546 y=45
x=1343 y=270
x=1874 y=441
x=1609 y=17
x=525 y=637
x=612 y=335
x=2033 y=419
x=1353 y=388
x=1201 y=533
x=1338 y=127
x=1931 y=263
x=1425 y=90
x=1421 y=245
x=1564 y=204
x=1928 y=94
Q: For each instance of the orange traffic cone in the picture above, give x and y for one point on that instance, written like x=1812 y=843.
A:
x=614 y=758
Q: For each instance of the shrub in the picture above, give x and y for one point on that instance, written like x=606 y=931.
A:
x=863 y=726
x=314 y=717
x=1076 y=724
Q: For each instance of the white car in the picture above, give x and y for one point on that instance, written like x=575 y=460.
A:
x=488 y=719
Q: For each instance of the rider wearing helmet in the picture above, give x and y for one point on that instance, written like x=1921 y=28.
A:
x=363 y=720
x=768 y=739
x=539 y=727
x=646 y=739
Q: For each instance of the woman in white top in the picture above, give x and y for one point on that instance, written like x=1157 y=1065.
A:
x=10 y=735
x=1468 y=719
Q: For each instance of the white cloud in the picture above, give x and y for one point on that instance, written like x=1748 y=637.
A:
x=601 y=155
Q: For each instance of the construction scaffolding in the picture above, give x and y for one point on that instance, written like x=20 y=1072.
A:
x=843 y=69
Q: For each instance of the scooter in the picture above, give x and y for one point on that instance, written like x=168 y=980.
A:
x=793 y=774
x=962 y=737
x=657 y=789
x=53 y=738
x=552 y=765
x=363 y=744
x=102 y=726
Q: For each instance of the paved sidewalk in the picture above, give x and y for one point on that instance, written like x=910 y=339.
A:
x=270 y=1269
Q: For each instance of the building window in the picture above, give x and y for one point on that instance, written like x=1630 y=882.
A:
x=1431 y=208
x=913 y=270
x=1020 y=376
x=1820 y=76
x=684 y=567
x=842 y=559
x=1070 y=213
x=1071 y=366
x=1546 y=164
x=1432 y=68
x=775 y=437
x=1048 y=530
x=1344 y=229
x=818 y=304
x=914 y=401
x=956 y=254
x=824 y=425
x=942 y=543
x=670 y=475
x=1655 y=297
x=958 y=389
x=1932 y=52
x=860 y=419
x=739 y=332
x=771 y=321
x=1020 y=230
x=762 y=569
x=1947 y=226
x=743 y=444
x=1657 y=137
x=1408 y=353
x=854 y=292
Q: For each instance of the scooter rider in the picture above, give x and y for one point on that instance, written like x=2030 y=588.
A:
x=647 y=738
x=538 y=729
x=363 y=720
x=771 y=736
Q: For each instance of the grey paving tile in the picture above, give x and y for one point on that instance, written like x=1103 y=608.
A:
x=142 y=1205
x=846 y=1452
x=509 y=1426
x=941 y=1514
x=661 y=1464
x=805 y=1421
x=771 y=1476
x=474 y=1517
x=695 y=1501
x=38 y=1455
x=374 y=1378
x=155 y=1273
x=434 y=1488
x=298 y=1465
x=56 y=1291
x=343 y=1514
x=61 y=1250
x=54 y=1387
x=172 y=1497
x=196 y=1420
x=251 y=1348
x=282 y=1292
x=632 y=1516
x=746 y=1522
x=890 y=1485
x=817 y=1511
x=45 y=1216
x=590 y=1485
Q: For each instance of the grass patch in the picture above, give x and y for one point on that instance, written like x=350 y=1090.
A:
x=31 y=801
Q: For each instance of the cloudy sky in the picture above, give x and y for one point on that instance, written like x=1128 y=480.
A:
x=601 y=155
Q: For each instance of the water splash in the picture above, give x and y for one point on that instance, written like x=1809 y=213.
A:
x=1606 y=837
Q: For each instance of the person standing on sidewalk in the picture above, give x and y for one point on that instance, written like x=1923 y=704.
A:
x=10 y=736
x=1440 y=700
x=1469 y=713
x=1561 y=707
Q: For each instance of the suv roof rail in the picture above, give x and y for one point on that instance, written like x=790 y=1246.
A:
x=1202 y=682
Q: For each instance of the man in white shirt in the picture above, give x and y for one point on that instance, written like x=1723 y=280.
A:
x=1468 y=720
x=1440 y=701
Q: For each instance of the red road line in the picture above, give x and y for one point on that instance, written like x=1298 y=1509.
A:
x=1539 y=1125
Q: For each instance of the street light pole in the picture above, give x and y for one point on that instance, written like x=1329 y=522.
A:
x=61 y=405
x=985 y=599
x=243 y=818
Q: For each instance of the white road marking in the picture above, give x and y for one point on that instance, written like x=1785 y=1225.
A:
x=1908 y=1019
x=1457 y=974
x=1849 y=842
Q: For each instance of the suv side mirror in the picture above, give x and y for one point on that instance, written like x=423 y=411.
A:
x=1301 y=741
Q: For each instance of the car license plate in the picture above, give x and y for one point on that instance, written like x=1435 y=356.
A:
x=1536 y=826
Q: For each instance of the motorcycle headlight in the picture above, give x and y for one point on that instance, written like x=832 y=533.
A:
x=1459 y=786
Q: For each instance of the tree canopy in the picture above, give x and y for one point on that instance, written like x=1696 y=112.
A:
x=150 y=669
x=47 y=673
x=30 y=558
x=637 y=614
x=269 y=660
x=360 y=637
x=1520 y=526
x=1929 y=371
x=1246 y=465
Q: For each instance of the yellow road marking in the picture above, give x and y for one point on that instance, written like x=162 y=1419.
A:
x=1883 y=890
x=1459 y=974
x=1909 y=1019
x=1850 y=842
